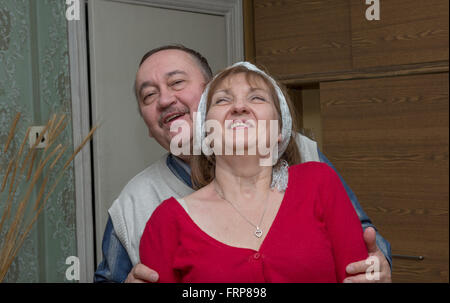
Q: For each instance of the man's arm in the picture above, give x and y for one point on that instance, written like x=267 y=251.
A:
x=116 y=264
x=382 y=243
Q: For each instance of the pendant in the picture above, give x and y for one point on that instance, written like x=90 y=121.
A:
x=258 y=232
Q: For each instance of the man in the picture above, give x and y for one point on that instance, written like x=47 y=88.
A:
x=168 y=86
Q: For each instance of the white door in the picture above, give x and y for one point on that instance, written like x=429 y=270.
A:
x=120 y=33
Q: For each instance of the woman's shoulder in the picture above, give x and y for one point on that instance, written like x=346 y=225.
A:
x=166 y=211
x=313 y=173
x=312 y=167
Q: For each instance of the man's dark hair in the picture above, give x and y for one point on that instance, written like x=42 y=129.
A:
x=206 y=69
x=199 y=59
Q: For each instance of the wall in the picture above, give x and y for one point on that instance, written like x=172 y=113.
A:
x=34 y=80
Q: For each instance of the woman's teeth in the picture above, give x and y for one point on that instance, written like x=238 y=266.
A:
x=238 y=124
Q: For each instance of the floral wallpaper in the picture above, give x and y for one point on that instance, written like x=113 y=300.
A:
x=34 y=80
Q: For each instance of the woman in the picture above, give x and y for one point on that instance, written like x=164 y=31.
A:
x=249 y=222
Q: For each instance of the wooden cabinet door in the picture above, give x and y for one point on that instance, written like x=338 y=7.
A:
x=408 y=32
x=295 y=38
x=389 y=138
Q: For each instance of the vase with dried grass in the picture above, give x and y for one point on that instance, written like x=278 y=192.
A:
x=18 y=213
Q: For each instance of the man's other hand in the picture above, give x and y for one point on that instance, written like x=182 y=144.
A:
x=358 y=270
x=142 y=274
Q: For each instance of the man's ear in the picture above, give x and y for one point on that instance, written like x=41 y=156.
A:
x=279 y=138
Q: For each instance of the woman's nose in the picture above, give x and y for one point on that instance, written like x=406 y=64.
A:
x=240 y=107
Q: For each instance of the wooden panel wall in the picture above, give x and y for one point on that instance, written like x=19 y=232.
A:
x=303 y=41
x=389 y=138
x=409 y=31
x=302 y=37
x=384 y=108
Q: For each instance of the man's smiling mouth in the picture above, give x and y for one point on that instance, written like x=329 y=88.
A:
x=173 y=116
x=167 y=119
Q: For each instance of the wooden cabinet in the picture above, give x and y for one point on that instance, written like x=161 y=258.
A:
x=320 y=40
x=383 y=89
x=408 y=32
x=302 y=37
x=389 y=138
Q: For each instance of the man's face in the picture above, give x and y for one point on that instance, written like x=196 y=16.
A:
x=169 y=86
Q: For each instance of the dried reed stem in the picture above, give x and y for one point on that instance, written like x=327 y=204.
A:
x=5 y=178
x=22 y=205
x=13 y=252
x=58 y=156
x=30 y=167
x=23 y=143
x=83 y=143
x=17 y=159
x=41 y=193
x=7 y=213
x=12 y=192
x=21 y=224
x=52 y=121
x=11 y=132
x=54 y=132
x=13 y=176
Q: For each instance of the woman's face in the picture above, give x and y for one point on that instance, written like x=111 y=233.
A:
x=244 y=113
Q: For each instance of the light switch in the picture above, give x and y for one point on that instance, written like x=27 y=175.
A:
x=35 y=132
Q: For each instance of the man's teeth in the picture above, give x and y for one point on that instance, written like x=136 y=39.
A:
x=238 y=124
x=173 y=117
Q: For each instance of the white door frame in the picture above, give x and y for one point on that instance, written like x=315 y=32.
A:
x=78 y=62
x=231 y=10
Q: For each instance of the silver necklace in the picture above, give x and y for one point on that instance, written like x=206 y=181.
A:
x=258 y=231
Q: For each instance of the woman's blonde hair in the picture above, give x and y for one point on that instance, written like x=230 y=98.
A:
x=203 y=167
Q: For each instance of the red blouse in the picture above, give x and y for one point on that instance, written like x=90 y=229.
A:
x=314 y=236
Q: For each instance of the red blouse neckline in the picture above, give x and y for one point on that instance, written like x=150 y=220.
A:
x=213 y=240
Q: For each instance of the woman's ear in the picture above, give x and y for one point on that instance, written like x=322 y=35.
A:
x=279 y=138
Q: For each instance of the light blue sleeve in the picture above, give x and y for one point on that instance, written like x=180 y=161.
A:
x=116 y=264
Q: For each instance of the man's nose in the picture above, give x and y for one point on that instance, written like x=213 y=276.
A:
x=167 y=97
